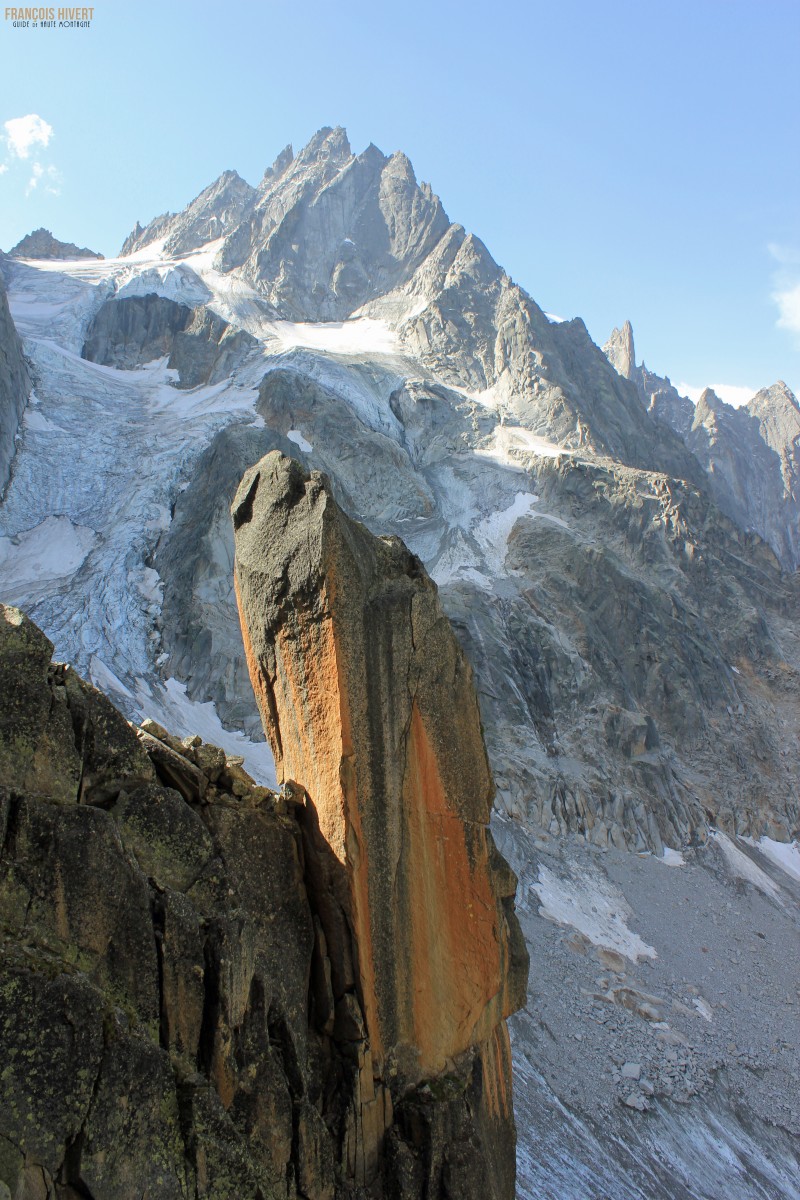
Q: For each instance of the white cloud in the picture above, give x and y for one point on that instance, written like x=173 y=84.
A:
x=786 y=287
x=48 y=177
x=36 y=175
x=785 y=255
x=788 y=302
x=3 y=168
x=23 y=134
x=731 y=393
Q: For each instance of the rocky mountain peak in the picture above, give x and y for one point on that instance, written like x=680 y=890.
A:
x=710 y=404
x=619 y=350
x=399 y=164
x=327 y=143
x=144 y=235
x=215 y=212
x=474 y=259
x=41 y=244
x=779 y=398
x=283 y=160
x=373 y=154
x=330 y=231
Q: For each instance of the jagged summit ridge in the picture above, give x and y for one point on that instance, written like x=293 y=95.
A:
x=41 y=244
x=211 y=215
x=751 y=455
x=330 y=235
x=332 y=230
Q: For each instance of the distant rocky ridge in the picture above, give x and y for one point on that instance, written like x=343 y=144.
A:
x=179 y=1013
x=42 y=244
x=661 y=399
x=329 y=235
x=751 y=454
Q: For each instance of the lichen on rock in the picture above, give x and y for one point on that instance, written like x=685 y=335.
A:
x=369 y=704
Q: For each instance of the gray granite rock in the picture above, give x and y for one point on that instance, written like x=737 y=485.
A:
x=214 y=213
x=15 y=386
x=751 y=455
x=42 y=244
x=134 y=330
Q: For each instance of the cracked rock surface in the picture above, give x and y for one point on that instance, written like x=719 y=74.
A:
x=179 y=1015
x=658 y=1050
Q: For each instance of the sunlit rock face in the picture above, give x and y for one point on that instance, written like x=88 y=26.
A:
x=370 y=706
x=172 y=934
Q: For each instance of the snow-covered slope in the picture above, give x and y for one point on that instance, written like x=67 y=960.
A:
x=105 y=452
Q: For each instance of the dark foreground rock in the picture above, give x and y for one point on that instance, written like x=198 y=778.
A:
x=178 y=1014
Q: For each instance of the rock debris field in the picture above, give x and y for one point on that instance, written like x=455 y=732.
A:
x=695 y=1038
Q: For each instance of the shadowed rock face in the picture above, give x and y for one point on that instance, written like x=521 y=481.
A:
x=127 y=333
x=369 y=704
x=14 y=387
x=135 y=330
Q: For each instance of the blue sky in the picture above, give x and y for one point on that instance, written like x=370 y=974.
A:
x=621 y=160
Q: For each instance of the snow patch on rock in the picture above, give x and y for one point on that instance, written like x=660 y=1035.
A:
x=508 y=442
x=294 y=435
x=105 y=680
x=743 y=866
x=179 y=283
x=170 y=705
x=38 y=423
x=364 y=335
x=785 y=855
x=493 y=532
x=591 y=904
